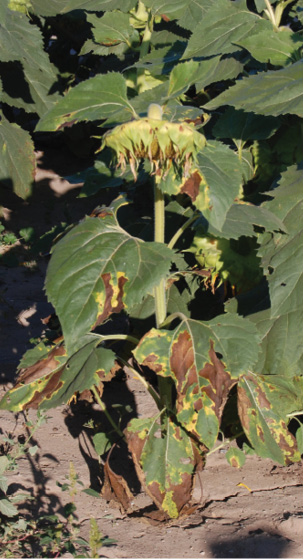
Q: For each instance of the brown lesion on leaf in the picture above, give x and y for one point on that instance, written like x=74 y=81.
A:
x=115 y=488
x=41 y=368
x=150 y=361
x=244 y=405
x=53 y=385
x=113 y=297
x=191 y=185
x=182 y=362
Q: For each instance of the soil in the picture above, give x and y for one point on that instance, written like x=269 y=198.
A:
x=254 y=511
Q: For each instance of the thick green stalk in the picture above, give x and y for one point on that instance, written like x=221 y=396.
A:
x=159 y=237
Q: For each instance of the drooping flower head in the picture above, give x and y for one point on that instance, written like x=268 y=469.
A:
x=162 y=142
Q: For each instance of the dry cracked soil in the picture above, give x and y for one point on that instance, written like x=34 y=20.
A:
x=254 y=511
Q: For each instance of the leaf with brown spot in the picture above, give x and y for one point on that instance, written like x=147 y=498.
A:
x=98 y=269
x=190 y=356
x=55 y=378
x=264 y=422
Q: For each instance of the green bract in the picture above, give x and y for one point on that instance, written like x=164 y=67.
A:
x=162 y=142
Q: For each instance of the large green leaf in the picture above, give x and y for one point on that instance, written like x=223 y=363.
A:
x=23 y=42
x=165 y=462
x=269 y=45
x=204 y=359
x=17 y=158
x=216 y=69
x=282 y=253
x=55 y=378
x=188 y=12
x=224 y=25
x=94 y=99
x=262 y=418
x=267 y=93
x=98 y=269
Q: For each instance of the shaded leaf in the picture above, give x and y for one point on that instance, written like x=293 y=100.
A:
x=56 y=378
x=165 y=462
x=215 y=69
x=94 y=99
x=240 y=125
x=262 y=421
x=282 y=253
x=17 y=158
x=46 y=8
x=189 y=355
x=271 y=93
x=117 y=275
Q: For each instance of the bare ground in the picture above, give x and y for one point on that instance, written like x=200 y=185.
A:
x=252 y=512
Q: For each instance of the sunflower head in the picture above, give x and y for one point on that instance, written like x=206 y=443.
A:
x=162 y=142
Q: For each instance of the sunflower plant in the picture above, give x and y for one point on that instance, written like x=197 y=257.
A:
x=188 y=278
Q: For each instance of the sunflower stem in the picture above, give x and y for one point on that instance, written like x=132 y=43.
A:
x=105 y=411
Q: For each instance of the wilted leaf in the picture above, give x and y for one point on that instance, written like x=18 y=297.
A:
x=117 y=274
x=189 y=355
x=271 y=93
x=17 y=158
x=116 y=488
x=165 y=461
x=262 y=421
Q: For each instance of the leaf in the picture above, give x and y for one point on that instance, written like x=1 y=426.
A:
x=103 y=442
x=181 y=78
x=56 y=378
x=271 y=93
x=299 y=437
x=98 y=269
x=3 y=482
x=262 y=421
x=46 y=8
x=224 y=25
x=23 y=42
x=189 y=355
x=113 y=28
x=240 y=125
x=165 y=462
x=94 y=99
x=4 y=463
x=186 y=11
x=269 y=45
x=7 y=509
x=241 y=219
x=215 y=69
x=17 y=158
x=282 y=253
x=235 y=457
x=162 y=60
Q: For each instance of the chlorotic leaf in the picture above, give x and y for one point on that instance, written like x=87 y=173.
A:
x=262 y=422
x=165 y=461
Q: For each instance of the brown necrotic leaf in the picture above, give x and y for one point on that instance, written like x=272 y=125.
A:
x=55 y=378
x=115 y=487
x=205 y=360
